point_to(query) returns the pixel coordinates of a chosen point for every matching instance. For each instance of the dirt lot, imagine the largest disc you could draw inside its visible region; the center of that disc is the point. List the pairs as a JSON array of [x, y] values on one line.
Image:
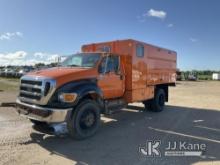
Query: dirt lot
[[192, 116]]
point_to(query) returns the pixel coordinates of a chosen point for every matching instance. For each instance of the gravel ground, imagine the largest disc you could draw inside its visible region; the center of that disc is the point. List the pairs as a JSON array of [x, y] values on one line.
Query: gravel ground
[[192, 116]]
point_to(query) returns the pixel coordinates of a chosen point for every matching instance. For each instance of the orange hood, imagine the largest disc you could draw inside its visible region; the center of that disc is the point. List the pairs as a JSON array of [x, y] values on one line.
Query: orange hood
[[66, 74]]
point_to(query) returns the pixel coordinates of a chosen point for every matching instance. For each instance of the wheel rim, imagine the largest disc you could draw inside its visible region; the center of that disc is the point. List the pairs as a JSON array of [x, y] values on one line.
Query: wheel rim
[[161, 100], [87, 120]]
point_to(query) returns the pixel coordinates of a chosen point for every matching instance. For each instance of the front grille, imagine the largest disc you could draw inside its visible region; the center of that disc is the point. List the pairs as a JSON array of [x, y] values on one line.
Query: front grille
[[31, 89], [36, 90], [31, 82]]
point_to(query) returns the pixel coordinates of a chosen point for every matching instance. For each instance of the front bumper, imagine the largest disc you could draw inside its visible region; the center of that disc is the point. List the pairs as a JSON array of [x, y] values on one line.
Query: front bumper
[[39, 113]]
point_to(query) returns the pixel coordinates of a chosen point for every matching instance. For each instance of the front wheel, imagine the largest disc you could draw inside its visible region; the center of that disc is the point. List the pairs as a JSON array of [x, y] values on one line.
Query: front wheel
[[85, 120]]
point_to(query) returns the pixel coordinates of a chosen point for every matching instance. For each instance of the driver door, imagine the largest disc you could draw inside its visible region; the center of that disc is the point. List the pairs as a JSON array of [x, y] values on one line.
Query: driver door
[[110, 79]]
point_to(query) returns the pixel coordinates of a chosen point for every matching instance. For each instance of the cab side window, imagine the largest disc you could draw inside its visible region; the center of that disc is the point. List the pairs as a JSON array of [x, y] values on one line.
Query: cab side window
[[112, 64]]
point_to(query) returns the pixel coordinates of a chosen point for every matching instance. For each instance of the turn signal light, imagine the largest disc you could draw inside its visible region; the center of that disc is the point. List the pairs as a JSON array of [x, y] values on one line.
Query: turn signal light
[[68, 97]]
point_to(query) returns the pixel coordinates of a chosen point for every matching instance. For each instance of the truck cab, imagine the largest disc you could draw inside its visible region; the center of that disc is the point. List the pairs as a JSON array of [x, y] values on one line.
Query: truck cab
[[104, 77]]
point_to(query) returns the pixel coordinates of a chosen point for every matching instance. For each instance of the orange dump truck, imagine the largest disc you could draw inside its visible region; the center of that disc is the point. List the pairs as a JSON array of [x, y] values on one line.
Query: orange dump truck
[[104, 77]]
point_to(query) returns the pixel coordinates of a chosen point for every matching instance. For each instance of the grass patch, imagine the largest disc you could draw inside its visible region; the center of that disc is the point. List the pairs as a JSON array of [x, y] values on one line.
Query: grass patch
[[9, 84], [10, 79], [205, 77]]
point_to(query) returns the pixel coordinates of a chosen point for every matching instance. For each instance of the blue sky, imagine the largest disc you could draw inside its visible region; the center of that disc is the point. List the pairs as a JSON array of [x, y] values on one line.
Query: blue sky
[[39, 30]]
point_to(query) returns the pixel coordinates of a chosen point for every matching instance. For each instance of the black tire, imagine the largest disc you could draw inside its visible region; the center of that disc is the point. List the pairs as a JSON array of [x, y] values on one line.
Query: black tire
[[85, 120], [147, 105], [157, 103]]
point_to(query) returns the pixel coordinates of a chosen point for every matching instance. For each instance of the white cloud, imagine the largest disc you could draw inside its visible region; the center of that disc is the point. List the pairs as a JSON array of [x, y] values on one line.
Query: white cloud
[[9, 36], [24, 58], [156, 13], [170, 25], [53, 58], [193, 40], [33, 62], [13, 56], [19, 34], [46, 56], [152, 13], [39, 55]]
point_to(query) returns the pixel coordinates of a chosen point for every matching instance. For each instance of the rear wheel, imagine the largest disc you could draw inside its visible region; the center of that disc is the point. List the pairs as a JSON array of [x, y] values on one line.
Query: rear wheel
[[157, 103], [147, 105], [85, 120]]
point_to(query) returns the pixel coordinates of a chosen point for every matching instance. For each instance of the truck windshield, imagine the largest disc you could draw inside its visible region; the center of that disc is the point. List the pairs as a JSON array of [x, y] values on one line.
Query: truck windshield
[[81, 60]]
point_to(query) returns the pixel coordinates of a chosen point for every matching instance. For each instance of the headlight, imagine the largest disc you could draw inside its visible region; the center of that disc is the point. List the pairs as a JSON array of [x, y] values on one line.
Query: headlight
[[67, 97]]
